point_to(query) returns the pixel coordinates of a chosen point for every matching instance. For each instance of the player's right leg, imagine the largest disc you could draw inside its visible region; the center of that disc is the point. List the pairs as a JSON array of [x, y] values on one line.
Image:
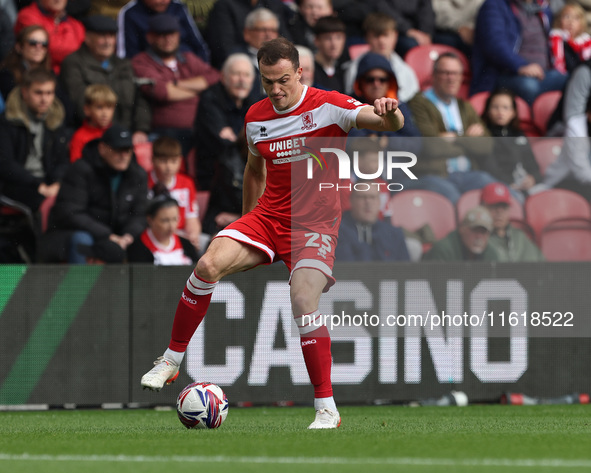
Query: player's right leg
[[224, 256]]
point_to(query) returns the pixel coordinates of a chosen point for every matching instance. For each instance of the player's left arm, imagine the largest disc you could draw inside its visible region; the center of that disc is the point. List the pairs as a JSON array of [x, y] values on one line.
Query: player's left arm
[[255, 175], [383, 116]]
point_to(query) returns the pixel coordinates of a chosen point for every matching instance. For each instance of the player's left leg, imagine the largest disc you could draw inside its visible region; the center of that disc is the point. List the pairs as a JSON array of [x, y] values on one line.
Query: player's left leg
[[307, 284]]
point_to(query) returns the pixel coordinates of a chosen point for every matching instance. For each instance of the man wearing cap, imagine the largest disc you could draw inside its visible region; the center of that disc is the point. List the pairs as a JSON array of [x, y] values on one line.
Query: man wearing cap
[[470, 242], [101, 206], [510, 243], [176, 80], [133, 20], [95, 62]]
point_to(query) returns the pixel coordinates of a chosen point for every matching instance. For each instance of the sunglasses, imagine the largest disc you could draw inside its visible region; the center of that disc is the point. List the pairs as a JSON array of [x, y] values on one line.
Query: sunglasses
[[34, 42], [372, 79]]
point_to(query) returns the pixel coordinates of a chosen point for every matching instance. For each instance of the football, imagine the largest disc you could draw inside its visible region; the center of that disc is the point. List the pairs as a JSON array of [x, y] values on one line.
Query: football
[[202, 406]]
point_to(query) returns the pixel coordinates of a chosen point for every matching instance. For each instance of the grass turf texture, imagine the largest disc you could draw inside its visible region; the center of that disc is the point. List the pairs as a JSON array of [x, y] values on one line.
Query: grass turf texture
[[472, 439]]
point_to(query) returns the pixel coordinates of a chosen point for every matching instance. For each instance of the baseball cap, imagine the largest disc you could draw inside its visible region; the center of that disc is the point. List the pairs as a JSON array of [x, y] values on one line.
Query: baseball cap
[[117, 137], [478, 217], [163, 23], [495, 193], [100, 24]]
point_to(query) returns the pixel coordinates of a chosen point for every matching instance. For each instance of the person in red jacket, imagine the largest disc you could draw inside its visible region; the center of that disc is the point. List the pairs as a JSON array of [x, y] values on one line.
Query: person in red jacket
[[65, 33]]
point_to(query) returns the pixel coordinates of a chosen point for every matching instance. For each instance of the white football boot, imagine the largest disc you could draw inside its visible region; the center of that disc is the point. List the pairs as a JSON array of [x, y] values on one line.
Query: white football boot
[[164, 372], [326, 419]]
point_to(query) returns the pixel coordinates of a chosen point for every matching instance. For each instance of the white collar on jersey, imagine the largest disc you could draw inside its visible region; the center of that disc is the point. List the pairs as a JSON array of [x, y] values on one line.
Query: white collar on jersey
[[289, 110]]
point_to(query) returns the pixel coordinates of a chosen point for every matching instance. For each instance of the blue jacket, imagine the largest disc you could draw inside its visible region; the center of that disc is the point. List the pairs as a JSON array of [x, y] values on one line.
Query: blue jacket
[[388, 242], [133, 24], [497, 39]]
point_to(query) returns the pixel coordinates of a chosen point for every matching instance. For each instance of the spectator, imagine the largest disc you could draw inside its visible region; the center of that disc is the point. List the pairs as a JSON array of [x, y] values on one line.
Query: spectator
[[454, 23], [65, 33], [135, 18], [353, 13], [167, 157], [415, 20], [512, 160], [34, 153], [260, 25], [470, 242], [510, 243], [99, 108], [572, 169], [449, 164], [226, 23], [363, 236], [220, 142], [511, 49], [381, 35], [29, 52], [307, 65], [330, 45], [177, 78], [302, 24], [375, 79], [101, 207], [6, 35], [570, 44], [95, 63], [159, 244]]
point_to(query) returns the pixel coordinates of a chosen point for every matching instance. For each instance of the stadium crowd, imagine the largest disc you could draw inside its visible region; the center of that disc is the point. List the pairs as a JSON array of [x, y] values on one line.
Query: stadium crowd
[[111, 109]]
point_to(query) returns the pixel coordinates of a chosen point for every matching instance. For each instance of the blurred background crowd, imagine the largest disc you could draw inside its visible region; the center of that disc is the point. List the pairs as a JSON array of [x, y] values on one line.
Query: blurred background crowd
[[121, 126]]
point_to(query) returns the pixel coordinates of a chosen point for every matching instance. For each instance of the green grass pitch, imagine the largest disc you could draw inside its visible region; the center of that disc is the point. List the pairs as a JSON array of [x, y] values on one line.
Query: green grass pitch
[[371, 439]]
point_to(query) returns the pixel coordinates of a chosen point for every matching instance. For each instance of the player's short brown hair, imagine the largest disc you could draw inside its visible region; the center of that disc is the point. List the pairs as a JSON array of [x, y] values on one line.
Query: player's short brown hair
[[102, 94], [271, 52], [166, 147], [378, 24]]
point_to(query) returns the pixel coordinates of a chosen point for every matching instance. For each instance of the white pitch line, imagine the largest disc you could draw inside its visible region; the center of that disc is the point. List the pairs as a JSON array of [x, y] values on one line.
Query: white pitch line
[[471, 462]]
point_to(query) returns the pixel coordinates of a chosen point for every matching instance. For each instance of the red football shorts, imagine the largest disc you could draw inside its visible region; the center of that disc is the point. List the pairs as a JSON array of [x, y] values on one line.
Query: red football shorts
[[296, 248]]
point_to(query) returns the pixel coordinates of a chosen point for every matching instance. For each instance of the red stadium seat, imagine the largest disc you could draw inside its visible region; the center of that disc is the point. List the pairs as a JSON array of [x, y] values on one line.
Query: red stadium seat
[[44, 210], [478, 101], [566, 244], [413, 209], [143, 154], [471, 199], [546, 151], [543, 107], [421, 59], [556, 208], [356, 50]]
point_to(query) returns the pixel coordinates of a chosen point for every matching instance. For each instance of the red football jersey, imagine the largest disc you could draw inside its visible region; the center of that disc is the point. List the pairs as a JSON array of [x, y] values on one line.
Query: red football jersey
[[170, 255], [290, 142], [182, 189]]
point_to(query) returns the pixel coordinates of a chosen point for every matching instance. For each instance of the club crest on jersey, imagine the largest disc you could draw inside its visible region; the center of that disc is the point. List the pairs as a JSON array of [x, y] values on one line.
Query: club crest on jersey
[[308, 121]]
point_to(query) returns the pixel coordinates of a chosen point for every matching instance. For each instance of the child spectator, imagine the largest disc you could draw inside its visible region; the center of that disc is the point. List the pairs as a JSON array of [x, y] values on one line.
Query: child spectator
[[512, 161], [167, 159], [330, 43], [159, 244], [570, 44], [302, 25], [99, 107]]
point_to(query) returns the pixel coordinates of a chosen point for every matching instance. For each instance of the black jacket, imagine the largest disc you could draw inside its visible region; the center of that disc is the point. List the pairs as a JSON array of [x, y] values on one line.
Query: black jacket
[[86, 201], [16, 141]]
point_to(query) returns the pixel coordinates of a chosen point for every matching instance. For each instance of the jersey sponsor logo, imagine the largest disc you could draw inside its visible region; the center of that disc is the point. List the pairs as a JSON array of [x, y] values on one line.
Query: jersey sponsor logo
[[357, 103], [308, 121]]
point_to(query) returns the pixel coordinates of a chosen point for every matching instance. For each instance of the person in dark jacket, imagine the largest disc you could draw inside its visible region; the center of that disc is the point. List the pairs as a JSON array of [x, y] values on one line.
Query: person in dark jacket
[[101, 207], [159, 244], [511, 49], [34, 153], [512, 160], [96, 63], [133, 20], [363, 236], [220, 143]]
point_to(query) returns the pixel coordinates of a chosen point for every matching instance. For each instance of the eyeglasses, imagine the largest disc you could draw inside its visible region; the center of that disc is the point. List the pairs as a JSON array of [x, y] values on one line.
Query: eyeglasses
[[34, 42], [449, 73], [372, 79]]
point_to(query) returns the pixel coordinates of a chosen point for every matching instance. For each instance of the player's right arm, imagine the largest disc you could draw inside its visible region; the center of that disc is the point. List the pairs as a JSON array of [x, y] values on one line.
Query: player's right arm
[[255, 174]]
